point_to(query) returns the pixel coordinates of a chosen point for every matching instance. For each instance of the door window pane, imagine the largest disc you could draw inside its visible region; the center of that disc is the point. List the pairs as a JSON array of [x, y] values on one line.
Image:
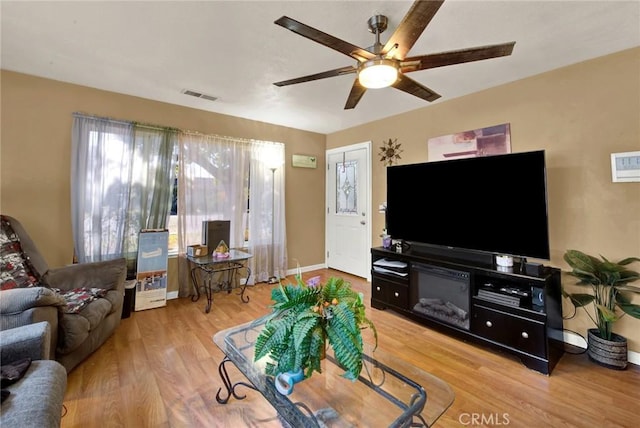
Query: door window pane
[[346, 184]]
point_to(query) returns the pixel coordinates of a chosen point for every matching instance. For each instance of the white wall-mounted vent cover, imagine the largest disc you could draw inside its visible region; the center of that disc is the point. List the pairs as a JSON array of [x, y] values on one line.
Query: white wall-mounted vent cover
[[199, 95]]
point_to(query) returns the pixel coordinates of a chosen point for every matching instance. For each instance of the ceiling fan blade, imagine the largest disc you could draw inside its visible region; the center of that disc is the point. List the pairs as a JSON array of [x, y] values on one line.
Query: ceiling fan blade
[[324, 39], [357, 91], [331, 73], [411, 27], [441, 59], [412, 87]]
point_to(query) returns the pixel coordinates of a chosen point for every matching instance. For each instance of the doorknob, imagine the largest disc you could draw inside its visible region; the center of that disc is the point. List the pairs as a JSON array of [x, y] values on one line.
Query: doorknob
[[363, 222]]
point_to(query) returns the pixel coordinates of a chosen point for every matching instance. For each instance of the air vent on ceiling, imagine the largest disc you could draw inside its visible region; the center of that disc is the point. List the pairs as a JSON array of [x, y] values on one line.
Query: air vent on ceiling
[[199, 95]]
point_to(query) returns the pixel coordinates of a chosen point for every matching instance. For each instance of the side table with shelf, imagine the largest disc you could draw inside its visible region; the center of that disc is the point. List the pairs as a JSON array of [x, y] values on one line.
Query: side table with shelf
[[219, 274]]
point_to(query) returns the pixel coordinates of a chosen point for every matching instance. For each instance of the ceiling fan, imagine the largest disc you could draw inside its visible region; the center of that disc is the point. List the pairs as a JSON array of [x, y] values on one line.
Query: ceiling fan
[[386, 65]]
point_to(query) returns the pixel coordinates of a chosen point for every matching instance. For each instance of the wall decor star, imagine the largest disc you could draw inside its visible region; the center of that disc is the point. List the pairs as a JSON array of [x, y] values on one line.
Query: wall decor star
[[390, 151]]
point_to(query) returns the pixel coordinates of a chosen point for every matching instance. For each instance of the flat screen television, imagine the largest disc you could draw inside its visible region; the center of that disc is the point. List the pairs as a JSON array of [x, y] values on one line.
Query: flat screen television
[[492, 204]]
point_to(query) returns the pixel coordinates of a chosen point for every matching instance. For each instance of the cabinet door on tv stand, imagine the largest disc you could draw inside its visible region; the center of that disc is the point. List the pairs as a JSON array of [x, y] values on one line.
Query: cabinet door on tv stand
[[523, 334], [388, 292]]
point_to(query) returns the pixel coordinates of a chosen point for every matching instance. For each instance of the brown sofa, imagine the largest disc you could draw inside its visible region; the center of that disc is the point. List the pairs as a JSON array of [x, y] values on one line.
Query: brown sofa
[[74, 336]]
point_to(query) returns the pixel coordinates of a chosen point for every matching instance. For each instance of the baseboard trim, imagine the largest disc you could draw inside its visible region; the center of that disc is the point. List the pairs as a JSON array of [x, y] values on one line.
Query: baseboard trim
[[306, 269]]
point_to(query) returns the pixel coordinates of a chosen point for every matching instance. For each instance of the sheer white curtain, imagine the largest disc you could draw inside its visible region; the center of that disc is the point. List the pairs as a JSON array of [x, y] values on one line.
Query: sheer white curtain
[[120, 184], [216, 177], [267, 211], [101, 163], [122, 176], [152, 177], [212, 182]]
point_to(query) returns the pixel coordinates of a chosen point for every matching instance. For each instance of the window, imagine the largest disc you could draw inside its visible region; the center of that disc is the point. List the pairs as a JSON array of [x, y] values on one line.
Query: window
[[119, 185], [127, 177], [172, 223]]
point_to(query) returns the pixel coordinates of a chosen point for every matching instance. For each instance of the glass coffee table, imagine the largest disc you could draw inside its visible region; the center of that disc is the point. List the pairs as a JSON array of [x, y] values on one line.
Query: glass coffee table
[[388, 393]]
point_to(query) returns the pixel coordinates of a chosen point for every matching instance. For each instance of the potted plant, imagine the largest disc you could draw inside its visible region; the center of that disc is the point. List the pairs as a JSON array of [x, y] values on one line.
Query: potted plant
[[307, 315], [609, 291]]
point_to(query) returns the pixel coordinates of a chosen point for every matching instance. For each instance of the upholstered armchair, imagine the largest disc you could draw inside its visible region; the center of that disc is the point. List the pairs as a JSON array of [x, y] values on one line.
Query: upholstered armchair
[[31, 397], [82, 302]]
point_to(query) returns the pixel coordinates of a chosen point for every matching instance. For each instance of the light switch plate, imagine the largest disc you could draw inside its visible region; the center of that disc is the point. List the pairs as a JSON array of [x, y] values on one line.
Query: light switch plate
[[625, 167]]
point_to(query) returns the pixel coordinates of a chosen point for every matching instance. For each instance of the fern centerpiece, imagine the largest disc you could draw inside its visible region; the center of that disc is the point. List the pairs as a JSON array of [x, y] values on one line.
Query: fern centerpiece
[[307, 315]]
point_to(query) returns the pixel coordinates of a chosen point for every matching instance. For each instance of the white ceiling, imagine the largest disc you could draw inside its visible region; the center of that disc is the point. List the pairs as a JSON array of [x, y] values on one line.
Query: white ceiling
[[232, 50]]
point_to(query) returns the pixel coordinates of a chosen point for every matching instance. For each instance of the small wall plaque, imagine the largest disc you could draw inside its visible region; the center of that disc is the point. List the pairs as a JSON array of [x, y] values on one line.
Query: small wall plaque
[[625, 167], [303, 161]]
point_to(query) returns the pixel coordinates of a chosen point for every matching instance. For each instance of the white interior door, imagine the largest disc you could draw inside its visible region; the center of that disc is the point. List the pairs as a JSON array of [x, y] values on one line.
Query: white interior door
[[348, 225]]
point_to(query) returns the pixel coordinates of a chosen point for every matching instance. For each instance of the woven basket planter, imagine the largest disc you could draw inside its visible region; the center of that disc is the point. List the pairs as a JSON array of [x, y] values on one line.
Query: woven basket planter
[[608, 353]]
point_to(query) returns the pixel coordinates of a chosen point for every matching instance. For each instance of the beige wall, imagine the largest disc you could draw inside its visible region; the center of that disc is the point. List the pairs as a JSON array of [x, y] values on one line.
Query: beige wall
[[36, 147], [579, 115]]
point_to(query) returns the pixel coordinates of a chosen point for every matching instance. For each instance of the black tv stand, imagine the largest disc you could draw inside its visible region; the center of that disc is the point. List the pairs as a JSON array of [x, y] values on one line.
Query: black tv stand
[[503, 308]]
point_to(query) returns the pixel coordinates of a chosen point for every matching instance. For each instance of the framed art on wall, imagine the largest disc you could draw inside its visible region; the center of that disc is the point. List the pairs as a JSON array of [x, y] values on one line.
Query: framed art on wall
[[492, 140]]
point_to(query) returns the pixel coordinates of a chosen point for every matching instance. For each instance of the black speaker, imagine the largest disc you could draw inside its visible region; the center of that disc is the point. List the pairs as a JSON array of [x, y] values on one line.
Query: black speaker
[[537, 296], [214, 231], [532, 269]]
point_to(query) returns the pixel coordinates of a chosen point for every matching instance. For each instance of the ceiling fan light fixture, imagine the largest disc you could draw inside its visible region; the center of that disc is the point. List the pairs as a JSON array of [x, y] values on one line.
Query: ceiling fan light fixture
[[378, 73]]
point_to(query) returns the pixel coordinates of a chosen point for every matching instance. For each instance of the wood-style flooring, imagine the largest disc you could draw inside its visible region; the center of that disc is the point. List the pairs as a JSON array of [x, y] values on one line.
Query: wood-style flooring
[[160, 369]]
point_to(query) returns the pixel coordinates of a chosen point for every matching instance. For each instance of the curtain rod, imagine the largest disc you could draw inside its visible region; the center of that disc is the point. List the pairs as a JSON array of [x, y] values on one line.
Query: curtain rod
[[239, 139], [127, 122], [164, 128]]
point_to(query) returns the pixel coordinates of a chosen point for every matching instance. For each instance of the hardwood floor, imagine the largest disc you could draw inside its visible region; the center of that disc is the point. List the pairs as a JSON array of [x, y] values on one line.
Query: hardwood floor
[[160, 369]]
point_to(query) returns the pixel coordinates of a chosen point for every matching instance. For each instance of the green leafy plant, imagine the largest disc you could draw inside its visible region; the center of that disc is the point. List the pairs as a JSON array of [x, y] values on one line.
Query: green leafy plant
[[304, 317], [608, 282]]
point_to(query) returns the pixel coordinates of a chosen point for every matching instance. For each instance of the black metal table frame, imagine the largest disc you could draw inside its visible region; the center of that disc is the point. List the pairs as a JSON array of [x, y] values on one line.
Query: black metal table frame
[[225, 268]]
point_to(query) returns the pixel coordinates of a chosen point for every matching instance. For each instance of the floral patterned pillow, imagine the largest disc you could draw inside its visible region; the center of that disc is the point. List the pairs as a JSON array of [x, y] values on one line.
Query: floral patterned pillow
[[78, 298], [15, 268]]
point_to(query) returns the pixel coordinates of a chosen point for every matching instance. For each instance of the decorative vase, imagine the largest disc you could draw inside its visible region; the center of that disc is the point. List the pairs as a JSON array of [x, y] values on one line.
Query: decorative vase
[[287, 380], [608, 353]]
